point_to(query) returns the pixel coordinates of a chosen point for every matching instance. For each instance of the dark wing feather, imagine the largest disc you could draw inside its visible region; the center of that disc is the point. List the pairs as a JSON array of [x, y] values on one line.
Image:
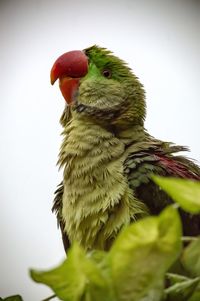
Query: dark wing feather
[[57, 208], [159, 160], [57, 203]]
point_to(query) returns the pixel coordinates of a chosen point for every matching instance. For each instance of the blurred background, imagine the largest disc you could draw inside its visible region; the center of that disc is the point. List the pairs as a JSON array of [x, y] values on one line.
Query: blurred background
[[161, 42]]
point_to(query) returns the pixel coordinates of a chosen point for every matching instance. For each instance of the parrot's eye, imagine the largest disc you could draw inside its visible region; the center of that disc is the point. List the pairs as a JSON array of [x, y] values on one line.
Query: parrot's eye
[[106, 73]]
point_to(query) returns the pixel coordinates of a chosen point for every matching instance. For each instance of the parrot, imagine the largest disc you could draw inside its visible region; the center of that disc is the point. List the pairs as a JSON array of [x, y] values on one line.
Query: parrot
[[107, 155]]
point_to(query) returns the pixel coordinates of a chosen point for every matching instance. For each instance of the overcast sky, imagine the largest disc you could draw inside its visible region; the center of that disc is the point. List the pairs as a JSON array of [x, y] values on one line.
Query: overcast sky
[[161, 42]]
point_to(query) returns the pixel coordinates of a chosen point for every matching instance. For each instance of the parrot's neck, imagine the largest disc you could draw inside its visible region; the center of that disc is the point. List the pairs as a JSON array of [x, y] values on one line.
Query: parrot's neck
[[97, 200], [133, 135]]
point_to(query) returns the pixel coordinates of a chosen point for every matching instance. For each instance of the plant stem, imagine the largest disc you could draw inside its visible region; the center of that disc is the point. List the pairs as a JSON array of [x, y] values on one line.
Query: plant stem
[[188, 238], [49, 298]]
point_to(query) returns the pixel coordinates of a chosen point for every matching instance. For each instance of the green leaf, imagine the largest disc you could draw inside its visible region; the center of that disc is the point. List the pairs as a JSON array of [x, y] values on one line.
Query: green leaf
[[181, 287], [77, 278], [191, 258], [142, 254], [13, 298], [195, 296], [185, 192]]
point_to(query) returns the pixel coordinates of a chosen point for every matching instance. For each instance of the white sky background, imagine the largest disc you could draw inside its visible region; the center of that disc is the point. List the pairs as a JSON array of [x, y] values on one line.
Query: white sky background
[[161, 42]]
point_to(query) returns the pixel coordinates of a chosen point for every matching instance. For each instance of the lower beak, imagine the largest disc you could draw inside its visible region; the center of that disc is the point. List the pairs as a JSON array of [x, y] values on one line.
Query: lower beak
[[69, 87]]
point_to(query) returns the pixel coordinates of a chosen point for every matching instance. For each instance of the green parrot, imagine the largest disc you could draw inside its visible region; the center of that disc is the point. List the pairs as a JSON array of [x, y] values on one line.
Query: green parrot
[[107, 156]]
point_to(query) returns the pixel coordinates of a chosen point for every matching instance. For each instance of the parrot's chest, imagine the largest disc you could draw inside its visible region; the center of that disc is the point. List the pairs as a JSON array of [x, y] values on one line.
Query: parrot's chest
[[95, 188]]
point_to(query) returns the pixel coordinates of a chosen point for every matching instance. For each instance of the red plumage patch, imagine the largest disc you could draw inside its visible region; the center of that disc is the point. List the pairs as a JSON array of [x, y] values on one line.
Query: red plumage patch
[[176, 168]]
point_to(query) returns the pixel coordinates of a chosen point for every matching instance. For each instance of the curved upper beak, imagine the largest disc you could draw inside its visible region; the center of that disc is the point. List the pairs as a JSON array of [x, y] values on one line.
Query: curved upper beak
[[72, 64]]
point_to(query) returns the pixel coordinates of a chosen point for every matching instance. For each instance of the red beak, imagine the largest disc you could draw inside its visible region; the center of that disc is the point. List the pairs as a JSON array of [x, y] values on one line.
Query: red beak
[[69, 68]]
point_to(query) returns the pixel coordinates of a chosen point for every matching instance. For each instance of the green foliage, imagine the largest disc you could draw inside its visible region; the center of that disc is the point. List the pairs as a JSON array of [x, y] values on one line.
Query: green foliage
[[127, 271], [77, 278], [147, 261], [195, 296], [191, 258], [180, 287], [185, 192], [149, 245]]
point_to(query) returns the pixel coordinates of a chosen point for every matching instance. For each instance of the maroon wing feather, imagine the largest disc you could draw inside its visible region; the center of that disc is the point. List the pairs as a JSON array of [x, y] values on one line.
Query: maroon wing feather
[[175, 167]]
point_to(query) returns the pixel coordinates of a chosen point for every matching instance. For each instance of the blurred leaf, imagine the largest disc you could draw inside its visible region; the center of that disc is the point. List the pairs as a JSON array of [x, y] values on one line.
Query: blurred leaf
[[13, 298], [178, 268], [181, 288], [185, 192], [175, 278], [142, 254], [77, 278], [191, 258], [98, 256], [195, 296]]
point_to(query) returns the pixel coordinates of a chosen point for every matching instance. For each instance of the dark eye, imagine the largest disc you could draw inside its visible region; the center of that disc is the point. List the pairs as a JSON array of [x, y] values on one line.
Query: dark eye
[[107, 73]]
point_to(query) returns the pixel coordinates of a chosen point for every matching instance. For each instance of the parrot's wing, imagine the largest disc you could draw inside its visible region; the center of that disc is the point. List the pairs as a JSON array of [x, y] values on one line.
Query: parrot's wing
[[158, 159], [179, 166], [57, 208], [139, 167]]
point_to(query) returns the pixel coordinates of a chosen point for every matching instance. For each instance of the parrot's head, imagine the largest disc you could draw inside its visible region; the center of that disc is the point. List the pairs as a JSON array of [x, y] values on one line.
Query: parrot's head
[[96, 83]]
